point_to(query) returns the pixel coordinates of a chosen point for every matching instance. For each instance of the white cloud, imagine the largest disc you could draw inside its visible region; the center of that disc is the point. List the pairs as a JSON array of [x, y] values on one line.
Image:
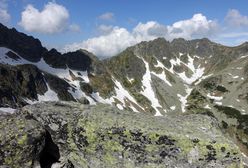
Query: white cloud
[[196, 27], [107, 16], [52, 19], [74, 28], [149, 31], [235, 19], [106, 45], [104, 29], [4, 15], [115, 39]]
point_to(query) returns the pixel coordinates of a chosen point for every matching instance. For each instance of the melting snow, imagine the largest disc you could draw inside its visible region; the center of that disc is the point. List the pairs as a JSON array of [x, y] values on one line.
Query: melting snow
[[214, 97], [183, 99], [62, 73], [218, 103], [243, 56], [119, 106], [148, 91], [202, 78], [234, 77], [7, 60], [197, 45], [122, 95], [130, 79], [50, 95], [162, 76], [7, 110], [173, 107], [197, 72], [207, 106]]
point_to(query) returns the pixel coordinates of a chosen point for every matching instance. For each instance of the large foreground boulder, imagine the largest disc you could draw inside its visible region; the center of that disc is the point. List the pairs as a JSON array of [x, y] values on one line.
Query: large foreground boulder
[[69, 134], [22, 140]]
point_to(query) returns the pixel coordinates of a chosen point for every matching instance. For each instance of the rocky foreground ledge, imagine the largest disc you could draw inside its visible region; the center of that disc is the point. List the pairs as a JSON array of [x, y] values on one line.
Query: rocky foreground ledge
[[66, 134]]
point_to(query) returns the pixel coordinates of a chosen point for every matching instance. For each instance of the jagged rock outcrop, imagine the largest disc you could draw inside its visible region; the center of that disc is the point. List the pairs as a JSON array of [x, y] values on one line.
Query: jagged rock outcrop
[[26, 46], [78, 135]]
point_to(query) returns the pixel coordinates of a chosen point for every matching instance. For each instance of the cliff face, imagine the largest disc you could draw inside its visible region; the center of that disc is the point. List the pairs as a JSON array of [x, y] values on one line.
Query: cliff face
[[70, 134]]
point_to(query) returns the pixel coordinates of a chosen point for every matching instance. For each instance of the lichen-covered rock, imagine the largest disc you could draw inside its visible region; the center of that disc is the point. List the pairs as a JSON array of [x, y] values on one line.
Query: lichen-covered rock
[[21, 141], [103, 136]]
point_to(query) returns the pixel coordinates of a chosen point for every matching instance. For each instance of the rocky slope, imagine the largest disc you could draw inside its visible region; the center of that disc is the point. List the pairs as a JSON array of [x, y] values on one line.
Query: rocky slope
[[66, 134], [154, 77]]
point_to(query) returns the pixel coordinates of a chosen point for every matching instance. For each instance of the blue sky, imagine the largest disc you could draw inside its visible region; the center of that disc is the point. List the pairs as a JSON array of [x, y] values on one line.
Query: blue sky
[[107, 27]]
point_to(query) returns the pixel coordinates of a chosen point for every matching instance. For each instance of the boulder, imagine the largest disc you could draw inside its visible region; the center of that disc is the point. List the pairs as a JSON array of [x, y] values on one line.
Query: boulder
[[22, 140]]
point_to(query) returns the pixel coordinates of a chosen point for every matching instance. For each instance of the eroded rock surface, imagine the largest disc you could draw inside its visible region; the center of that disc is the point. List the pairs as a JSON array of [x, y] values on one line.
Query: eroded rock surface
[[78, 135]]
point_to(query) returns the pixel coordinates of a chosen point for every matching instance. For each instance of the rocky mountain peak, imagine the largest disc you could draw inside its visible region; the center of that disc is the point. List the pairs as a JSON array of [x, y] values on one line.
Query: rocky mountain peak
[[26, 46]]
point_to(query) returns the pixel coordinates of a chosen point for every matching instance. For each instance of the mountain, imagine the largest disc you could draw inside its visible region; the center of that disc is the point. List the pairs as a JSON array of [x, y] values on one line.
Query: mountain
[[161, 78]]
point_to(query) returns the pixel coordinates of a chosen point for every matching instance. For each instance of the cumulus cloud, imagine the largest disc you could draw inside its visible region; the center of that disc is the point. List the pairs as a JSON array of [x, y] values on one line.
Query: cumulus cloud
[[196, 27], [107, 16], [4, 15], [105, 45], [52, 19], [235, 19], [115, 39]]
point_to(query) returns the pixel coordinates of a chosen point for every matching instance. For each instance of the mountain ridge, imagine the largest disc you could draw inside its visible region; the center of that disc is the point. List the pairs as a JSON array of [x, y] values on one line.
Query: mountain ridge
[[158, 77]]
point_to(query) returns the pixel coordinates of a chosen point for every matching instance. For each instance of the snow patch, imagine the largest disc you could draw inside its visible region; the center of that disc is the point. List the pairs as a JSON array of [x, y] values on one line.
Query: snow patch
[[131, 80], [183, 99], [207, 106], [4, 59], [202, 78], [50, 95], [122, 95], [244, 56], [218, 103], [119, 106], [214, 97], [196, 72], [162, 76], [148, 90], [7, 110]]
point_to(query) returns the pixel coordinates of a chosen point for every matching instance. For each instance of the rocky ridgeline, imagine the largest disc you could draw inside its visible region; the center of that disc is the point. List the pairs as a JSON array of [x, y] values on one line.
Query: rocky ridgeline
[[67, 134], [200, 88]]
